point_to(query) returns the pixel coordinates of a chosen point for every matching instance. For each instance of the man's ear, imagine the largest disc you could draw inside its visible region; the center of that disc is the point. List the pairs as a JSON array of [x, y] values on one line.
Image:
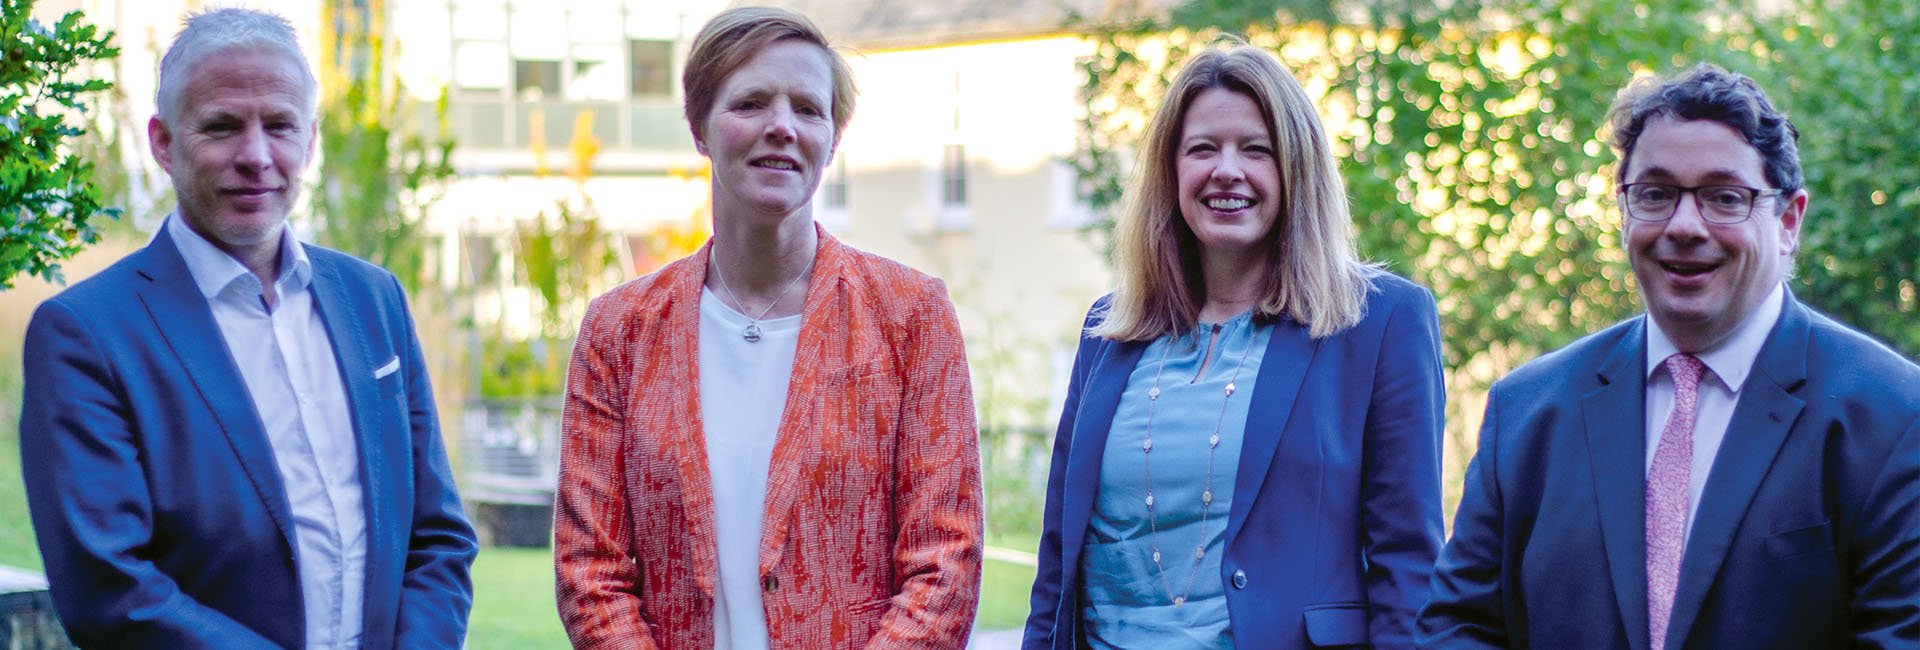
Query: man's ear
[[159, 143], [1790, 220]]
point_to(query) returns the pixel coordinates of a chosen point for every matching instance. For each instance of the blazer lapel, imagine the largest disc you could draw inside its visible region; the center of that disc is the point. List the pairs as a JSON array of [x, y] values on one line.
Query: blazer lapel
[[684, 434], [1098, 402], [1761, 420], [1283, 368], [184, 320], [347, 328], [824, 316], [1616, 447]]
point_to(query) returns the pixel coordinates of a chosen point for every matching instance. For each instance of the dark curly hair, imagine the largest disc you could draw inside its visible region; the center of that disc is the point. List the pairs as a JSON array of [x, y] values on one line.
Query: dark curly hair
[[1710, 92]]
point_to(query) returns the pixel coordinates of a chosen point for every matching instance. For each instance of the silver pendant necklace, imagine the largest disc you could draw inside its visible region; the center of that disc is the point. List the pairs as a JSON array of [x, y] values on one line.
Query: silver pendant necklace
[[752, 331], [1206, 496]]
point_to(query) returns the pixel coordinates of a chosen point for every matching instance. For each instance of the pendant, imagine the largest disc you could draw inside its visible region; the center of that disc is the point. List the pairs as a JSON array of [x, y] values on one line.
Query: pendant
[[751, 333]]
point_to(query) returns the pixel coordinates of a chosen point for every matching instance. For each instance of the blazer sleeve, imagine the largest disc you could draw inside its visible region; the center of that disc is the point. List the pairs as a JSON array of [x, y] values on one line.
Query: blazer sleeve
[[939, 515], [1465, 606], [1044, 602], [596, 576], [1402, 525], [1886, 579], [436, 591], [92, 514]]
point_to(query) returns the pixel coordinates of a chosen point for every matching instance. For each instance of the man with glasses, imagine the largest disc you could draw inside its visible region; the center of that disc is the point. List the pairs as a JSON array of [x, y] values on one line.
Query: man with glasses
[[1731, 470]]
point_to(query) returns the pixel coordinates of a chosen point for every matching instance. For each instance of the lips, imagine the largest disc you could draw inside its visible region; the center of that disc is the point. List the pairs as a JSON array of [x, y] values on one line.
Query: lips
[[1227, 203], [1688, 272], [776, 163]]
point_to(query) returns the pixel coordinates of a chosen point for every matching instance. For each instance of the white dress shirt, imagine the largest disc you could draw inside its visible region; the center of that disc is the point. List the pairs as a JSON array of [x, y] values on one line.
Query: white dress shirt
[[1727, 368], [287, 361], [743, 390]]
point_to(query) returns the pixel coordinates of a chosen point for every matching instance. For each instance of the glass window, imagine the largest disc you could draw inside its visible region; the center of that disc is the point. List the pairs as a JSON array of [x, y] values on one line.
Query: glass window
[[480, 66], [536, 80], [651, 67], [833, 192]]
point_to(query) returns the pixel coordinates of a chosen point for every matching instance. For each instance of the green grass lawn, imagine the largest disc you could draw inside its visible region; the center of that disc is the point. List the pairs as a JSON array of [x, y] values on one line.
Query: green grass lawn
[[513, 606], [17, 548]]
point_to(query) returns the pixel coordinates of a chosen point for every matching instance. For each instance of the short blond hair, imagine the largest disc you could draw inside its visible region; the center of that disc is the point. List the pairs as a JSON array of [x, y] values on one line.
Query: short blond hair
[[733, 37], [1313, 274], [207, 33]]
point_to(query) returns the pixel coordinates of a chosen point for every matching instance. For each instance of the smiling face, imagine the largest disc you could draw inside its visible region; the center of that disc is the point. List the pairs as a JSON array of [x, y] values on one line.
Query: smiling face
[[236, 150], [1229, 181], [1700, 280], [770, 132]]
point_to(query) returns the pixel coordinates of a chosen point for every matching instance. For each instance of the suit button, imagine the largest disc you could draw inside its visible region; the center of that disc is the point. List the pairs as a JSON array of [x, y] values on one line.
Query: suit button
[[1239, 579], [770, 583]]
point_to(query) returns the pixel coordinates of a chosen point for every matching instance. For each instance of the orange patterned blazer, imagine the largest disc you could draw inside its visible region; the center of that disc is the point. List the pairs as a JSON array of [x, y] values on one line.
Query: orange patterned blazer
[[872, 530]]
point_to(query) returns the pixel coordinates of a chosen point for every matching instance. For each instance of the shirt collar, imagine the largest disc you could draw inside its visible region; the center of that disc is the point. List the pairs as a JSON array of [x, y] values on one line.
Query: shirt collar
[[1733, 358], [213, 270]]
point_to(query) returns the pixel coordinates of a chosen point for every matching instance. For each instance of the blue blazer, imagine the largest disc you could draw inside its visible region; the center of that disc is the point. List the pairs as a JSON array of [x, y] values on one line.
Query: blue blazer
[[1807, 534], [155, 498], [1336, 513]]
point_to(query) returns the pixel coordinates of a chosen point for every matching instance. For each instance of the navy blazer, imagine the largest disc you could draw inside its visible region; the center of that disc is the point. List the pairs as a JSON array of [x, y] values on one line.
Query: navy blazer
[[1807, 533], [1336, 513], [155, 498]]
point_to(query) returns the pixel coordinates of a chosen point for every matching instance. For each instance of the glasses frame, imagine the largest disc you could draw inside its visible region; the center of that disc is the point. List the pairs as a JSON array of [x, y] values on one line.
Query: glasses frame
[[1699, 206]]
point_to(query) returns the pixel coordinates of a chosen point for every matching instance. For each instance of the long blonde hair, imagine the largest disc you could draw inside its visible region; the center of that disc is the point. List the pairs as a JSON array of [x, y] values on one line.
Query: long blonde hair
[[1313, 275]]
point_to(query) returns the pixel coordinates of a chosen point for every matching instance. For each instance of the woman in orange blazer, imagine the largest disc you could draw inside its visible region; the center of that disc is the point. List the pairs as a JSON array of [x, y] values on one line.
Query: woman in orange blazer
[[769, 443]]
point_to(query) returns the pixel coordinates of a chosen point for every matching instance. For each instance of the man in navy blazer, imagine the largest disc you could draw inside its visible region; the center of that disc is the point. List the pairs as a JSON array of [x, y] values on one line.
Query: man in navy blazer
[[229, 440], [1731, 470]]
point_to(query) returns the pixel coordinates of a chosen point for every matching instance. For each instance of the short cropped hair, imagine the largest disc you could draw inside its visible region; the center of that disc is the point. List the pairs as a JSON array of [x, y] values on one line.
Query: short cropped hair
[[1313, 275], [1710, 92], [211, 32], [734, 37]]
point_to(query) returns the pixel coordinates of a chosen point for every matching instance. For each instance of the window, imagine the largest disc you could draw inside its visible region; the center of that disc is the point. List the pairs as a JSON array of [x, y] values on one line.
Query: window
[[651, 67], [953, 176], [536, 80]]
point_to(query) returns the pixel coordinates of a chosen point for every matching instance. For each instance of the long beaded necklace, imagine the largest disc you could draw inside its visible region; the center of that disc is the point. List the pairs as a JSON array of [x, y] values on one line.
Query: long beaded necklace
[[1206, 496], [752, 331]]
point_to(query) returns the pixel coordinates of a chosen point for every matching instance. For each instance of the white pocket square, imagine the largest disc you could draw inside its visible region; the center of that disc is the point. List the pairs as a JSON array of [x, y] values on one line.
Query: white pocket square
[[391, 366]]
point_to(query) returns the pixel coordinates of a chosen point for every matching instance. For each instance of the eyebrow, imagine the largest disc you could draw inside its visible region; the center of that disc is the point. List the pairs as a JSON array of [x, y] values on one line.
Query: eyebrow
[[1713, 176]]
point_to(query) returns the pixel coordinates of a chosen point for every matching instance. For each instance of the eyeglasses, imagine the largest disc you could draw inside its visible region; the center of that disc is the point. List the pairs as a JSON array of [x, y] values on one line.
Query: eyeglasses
[[1723, 204]]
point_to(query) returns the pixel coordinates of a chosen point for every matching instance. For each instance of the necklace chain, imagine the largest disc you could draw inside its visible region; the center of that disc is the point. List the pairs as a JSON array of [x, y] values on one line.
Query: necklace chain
[[752, 331], [1206, 496]]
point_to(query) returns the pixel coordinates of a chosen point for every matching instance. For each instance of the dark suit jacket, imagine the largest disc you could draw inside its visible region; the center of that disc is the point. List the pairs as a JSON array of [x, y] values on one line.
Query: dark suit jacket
[[154, 493], [1805, 535], [1336, 513]]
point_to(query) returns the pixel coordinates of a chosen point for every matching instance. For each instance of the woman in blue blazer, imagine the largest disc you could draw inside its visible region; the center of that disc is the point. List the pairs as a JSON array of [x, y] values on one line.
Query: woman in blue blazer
[[1250, 449]]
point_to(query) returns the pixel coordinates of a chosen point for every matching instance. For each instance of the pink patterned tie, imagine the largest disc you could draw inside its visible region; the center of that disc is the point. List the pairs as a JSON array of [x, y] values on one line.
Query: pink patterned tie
[[1667, 485]]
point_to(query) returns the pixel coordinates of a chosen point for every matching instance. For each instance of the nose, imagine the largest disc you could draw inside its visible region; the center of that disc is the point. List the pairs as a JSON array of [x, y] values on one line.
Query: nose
[[780, 127], [1228, 168], [254, 154], [1687, 223]]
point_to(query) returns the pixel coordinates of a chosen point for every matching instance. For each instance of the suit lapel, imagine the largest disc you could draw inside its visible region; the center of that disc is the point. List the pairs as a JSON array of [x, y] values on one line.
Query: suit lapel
[[1088, 447], [1283, 367], [184, 320], [1616, 447], [683, 433], [346, 328], [1761, 420], [824, 315]]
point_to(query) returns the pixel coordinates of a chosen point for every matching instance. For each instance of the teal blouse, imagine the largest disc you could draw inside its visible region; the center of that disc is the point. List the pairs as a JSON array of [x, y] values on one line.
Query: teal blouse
[[1128, 601]]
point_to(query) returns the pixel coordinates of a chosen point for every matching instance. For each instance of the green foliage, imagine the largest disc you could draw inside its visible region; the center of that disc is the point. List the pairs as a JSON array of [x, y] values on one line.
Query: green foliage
[[378, 174], [1844, 72], [566, 259], [47, 200], [1471, 142], [517, 369]]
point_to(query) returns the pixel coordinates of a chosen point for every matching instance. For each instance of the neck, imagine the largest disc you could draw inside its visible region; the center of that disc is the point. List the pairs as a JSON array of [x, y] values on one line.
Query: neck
[[1233, 283], [759, 268], [262, 258]]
